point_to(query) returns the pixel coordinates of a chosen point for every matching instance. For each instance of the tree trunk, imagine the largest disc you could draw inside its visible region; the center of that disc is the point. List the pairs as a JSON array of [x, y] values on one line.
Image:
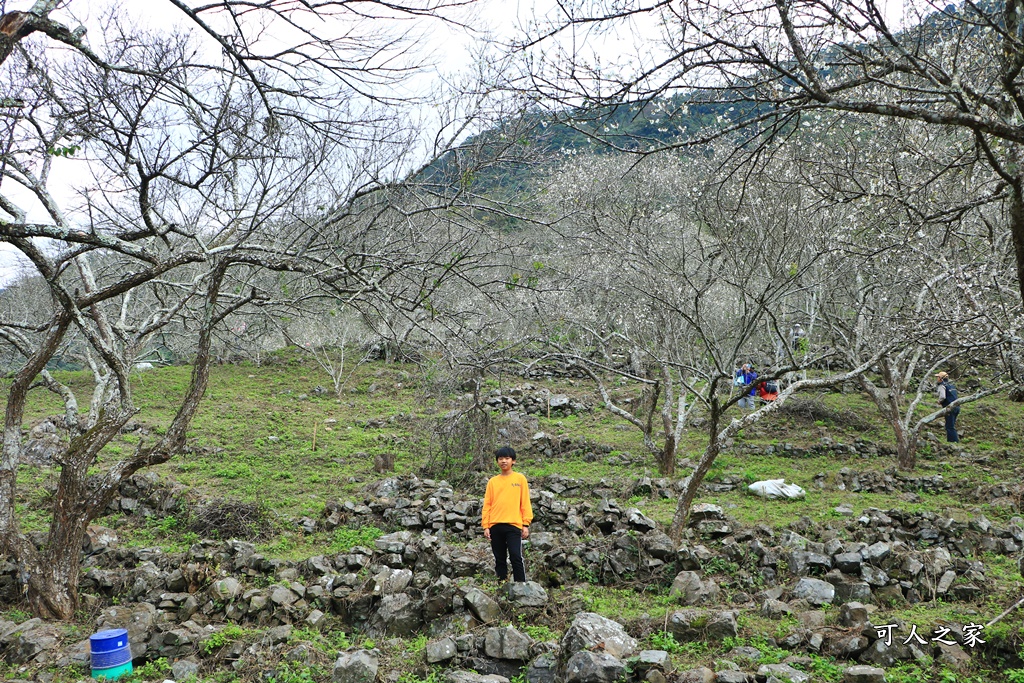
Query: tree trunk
[[53, 578], [54, 572], [906, 446], [682, 514], [906, 438], [13, 544], [1017, 230], [888, 404], [52, 575], [667, 464]]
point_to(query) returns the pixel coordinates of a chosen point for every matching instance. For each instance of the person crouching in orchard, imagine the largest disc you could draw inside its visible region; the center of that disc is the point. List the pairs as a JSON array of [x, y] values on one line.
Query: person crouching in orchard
[[507, 516]]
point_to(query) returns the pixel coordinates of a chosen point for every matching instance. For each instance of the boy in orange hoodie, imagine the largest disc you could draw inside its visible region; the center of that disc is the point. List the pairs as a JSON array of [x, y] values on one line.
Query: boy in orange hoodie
[[507, 515]]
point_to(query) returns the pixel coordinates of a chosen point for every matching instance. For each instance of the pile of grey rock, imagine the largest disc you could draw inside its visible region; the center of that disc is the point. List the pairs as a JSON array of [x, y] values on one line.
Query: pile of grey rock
[[424, 579], [527, 399]]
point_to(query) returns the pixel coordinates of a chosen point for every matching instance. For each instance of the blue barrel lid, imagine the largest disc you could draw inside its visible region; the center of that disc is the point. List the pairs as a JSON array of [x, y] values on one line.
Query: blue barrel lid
[[106, 641]]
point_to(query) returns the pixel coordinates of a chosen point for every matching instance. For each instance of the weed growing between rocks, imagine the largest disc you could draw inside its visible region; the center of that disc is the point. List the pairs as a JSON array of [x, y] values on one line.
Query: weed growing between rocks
[[156, 669], [432, 676], [346, 538], [664, 640]]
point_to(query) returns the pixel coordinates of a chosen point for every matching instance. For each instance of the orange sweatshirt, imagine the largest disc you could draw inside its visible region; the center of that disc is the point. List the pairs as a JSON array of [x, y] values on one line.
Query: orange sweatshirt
[[507, 501]]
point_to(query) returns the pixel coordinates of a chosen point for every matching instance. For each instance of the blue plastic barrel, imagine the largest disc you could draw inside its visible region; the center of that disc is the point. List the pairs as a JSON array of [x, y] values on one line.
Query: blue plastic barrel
[[110, 650], [114, 672]]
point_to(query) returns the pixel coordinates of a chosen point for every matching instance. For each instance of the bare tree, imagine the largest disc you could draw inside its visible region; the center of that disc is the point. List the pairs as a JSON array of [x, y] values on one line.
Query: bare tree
[[766, 69], [933, 279], [673, 279], [332, 344], [919, 327], [919, 299], [693, 273], [219, 175]]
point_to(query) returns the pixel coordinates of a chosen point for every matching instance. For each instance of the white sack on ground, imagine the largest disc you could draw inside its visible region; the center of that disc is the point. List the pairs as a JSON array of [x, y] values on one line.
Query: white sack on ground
[[776, 488]]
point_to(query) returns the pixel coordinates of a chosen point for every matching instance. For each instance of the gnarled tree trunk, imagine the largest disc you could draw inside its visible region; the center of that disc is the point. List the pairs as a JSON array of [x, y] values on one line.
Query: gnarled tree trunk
[[906, 445], [53, 576], [714, 447], [667, 463]]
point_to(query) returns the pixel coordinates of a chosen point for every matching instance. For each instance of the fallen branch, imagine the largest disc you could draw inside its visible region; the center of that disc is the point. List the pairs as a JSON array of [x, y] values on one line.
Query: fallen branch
[[1007, 611]]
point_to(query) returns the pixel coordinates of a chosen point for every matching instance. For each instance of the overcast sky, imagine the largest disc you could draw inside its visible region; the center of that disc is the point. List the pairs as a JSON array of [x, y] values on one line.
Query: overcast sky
[[449, 47]]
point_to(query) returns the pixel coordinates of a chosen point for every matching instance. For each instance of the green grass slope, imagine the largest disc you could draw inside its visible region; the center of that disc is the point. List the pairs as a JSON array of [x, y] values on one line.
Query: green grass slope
[[253, 442]]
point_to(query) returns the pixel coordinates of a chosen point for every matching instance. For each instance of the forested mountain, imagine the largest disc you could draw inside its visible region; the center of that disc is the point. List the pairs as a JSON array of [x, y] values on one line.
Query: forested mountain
[[540, 138]]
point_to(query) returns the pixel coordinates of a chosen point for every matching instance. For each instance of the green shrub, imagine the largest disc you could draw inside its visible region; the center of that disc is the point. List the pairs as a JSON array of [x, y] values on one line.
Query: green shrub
[[540, 633], [587, 575], [346, 538], [770, 654], [330, 641], [825, 669], [433, 677], [907, 672], [663, 640], [720, 565], [18, 616], [157, 669], [219, 639], [292, 672]]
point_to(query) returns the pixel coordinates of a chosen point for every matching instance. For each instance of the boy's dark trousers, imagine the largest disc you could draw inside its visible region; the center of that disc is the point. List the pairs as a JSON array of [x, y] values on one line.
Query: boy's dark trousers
[[508, 539]]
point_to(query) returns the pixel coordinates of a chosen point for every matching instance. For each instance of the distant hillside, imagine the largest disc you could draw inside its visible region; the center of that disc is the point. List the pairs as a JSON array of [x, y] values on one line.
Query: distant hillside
[[504, 158], [502, 161]]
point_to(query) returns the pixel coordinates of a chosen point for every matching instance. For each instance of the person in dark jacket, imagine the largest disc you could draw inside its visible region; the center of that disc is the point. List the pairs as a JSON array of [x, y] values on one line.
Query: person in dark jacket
[[946, 393]]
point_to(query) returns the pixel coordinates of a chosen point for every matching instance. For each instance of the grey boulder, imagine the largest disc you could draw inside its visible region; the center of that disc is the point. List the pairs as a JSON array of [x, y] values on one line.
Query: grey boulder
[[482, 605], [441, 650], [815, 591], [507, 643], [528, 594], [782, 672], [356, 667], [590, 631], [473, 677], [863, 674], [594, 667]]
